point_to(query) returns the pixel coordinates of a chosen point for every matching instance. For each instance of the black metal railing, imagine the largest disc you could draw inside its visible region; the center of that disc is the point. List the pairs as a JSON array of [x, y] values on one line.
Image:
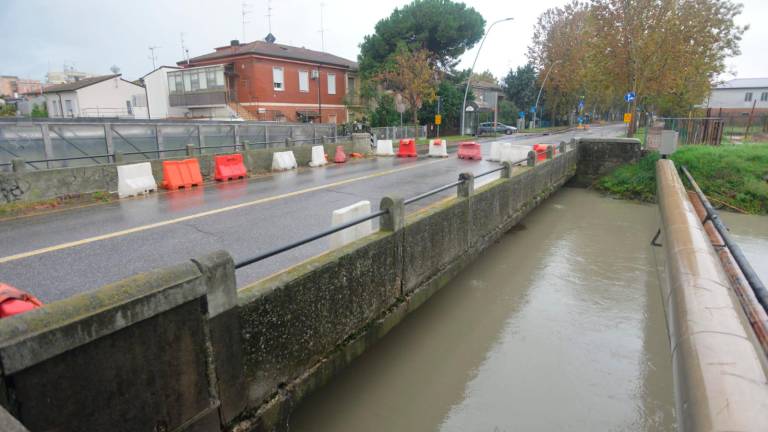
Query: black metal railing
[[462, 179]]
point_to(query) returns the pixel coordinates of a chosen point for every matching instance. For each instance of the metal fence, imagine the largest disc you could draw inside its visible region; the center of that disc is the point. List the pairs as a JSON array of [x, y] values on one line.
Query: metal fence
[[399, 132], [706, 130], [58, 144]]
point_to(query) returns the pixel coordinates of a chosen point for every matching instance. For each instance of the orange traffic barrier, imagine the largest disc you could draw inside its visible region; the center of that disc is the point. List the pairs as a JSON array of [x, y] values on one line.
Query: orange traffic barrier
[[229, 167], [541, 151], [470, 150], [407, 148], [356, 155], [14, 301], [181, 174], [340, 156]]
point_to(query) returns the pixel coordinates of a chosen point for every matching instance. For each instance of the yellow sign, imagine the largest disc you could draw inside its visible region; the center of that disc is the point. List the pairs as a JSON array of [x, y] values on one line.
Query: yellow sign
[[627, 117], [438, 119]]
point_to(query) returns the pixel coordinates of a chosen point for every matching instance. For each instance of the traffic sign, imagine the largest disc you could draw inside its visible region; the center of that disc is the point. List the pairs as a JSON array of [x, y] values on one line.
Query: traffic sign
[[438, 119], [627, 117], [629, 97], [521, 114], [533, 109]]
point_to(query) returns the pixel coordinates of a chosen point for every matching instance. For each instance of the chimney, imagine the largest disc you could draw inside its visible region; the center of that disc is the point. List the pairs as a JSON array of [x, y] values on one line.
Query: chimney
[[234, 42]]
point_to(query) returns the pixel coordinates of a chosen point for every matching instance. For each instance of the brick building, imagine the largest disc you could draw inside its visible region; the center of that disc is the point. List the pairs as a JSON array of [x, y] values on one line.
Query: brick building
[[268, 81], [13, 86]]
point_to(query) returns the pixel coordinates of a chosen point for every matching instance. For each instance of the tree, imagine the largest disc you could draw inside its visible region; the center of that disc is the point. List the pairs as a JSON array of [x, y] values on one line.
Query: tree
[[38, 111], [520, 86], [508, 112], [410, 74], [451, 93], [441, 27], [385, 113]]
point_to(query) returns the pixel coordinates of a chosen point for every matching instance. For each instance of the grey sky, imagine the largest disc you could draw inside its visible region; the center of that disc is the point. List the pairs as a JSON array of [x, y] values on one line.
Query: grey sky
[[93, 35]]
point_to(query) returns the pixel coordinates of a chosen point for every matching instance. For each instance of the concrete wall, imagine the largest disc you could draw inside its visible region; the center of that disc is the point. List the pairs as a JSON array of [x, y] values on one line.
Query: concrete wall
[[35, 185], [599, 156]]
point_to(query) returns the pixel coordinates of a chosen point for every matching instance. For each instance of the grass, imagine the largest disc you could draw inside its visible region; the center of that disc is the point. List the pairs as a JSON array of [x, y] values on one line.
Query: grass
[[26, 208], [732, 176]]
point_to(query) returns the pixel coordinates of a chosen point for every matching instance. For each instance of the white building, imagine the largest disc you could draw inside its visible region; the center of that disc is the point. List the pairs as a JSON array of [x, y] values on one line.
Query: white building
[[158, 101], [193, 92], [737, 96], [101, 96]]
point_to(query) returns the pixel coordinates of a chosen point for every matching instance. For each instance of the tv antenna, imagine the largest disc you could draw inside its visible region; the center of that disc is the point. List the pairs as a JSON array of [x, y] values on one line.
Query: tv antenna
[[184, 49], [153, 56], [322, 27], [246, 9], [269, 15]]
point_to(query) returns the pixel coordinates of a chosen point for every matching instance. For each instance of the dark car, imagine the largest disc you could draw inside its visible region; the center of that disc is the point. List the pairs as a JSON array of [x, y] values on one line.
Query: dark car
[[487, 128]]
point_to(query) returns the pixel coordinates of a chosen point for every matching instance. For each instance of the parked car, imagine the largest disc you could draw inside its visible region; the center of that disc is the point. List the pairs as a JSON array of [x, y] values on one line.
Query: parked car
[[487, 128]]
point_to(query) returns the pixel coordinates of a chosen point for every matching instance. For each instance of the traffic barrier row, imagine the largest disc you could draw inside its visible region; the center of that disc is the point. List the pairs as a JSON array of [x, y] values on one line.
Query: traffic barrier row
[[352, 233], [470, 150], [181, 174], [135, 179], [541, 151], [438, 148], [496, 149], [340, 156], [512, 153], [229, 167], [407, 148], [384, 148], [282, 161], [318, 156]]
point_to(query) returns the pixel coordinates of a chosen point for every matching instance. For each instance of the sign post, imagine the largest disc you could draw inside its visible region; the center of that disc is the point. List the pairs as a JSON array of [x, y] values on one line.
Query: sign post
[[438, 116], [629, 98]]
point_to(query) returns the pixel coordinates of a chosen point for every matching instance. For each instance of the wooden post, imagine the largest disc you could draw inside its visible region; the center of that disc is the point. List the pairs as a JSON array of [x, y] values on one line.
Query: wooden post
[[749, 120]]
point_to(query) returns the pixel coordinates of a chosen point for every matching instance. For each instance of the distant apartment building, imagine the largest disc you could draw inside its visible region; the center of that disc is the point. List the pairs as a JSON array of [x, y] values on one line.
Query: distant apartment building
[[256, 81], [13, 86], [68, 74], [737, 97], [100, 96]]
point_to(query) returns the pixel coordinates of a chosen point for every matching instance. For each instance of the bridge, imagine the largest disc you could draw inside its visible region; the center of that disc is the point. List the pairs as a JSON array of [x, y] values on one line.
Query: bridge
[[204, 339]]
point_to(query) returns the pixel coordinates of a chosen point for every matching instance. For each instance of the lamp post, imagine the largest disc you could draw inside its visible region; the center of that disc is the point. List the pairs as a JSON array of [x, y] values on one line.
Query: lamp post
[[472, 70], [536, 107]]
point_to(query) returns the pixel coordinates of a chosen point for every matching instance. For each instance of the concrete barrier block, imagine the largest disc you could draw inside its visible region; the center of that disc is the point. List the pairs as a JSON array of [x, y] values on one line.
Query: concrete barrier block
[[513, 153], [135, 179], [495, 154], [438, 148], [318, 156], [282, 161], [353, 233], [384, 148]]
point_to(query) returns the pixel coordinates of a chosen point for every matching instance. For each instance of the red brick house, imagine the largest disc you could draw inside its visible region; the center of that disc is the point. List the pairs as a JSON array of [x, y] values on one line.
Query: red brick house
[[270, 81]]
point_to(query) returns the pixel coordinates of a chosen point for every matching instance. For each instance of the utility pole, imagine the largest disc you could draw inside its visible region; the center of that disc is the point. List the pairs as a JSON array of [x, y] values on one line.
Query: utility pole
[[153, 56], [245, 10], [322, 28]]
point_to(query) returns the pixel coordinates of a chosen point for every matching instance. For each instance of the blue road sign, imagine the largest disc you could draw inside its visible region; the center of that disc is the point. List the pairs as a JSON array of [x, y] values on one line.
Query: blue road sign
[[581, 104], [581, 120], [533, 109], [521, 114], [629, 97]]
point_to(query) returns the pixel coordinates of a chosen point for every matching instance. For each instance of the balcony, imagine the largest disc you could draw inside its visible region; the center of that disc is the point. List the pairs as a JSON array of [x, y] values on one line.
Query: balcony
[[198, 99]]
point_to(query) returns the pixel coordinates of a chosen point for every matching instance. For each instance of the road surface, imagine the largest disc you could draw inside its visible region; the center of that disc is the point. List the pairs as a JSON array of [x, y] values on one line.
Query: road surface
[[59, 254]]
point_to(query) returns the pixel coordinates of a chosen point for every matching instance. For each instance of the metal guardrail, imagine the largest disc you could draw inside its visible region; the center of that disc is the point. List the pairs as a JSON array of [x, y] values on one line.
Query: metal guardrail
[[376, 214]]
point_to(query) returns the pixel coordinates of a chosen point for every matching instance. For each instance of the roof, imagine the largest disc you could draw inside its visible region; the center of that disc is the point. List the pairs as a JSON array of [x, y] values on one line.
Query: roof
[[486, 85], [158, 68], [76, 85], [744, 83], [276, 50]]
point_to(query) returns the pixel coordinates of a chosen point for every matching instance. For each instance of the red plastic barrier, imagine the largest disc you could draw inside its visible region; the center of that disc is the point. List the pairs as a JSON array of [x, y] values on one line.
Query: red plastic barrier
[[541, 151], [340, 157], [407, 148], [470, 150], [13, 301], [229, 167], [181, 174]]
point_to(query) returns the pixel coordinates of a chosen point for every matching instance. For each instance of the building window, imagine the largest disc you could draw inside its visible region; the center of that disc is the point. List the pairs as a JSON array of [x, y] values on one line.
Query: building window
[[748, 97], [303, 81], [68, 104], [128, 107], [764, 97], [277, 79], [331, 83], [194, 80]]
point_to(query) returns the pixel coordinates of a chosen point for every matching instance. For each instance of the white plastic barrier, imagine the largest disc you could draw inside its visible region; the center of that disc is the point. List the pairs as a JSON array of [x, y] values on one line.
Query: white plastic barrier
[[513, 153], [384, 148], [438, 148], [318, 156], [353, 233], [135, 179], [496, 147], [283, 161]]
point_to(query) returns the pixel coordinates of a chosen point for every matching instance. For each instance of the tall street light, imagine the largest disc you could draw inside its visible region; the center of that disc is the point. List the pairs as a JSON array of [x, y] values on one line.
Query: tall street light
[[471, 71], [536, 107]]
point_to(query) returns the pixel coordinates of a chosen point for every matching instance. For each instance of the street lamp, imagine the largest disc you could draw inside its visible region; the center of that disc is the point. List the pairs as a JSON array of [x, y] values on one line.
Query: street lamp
[[536, 107], [471, 71]]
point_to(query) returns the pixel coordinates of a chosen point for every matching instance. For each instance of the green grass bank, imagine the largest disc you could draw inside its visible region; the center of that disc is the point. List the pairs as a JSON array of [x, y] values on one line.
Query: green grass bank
[[731, 176]]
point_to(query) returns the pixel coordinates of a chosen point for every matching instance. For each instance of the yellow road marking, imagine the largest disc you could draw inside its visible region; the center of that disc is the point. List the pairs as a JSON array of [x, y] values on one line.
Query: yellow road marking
[[141, 228]]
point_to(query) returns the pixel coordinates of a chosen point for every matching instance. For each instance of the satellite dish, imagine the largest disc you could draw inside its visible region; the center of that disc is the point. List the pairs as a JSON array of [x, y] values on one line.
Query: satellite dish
[[115, 70]]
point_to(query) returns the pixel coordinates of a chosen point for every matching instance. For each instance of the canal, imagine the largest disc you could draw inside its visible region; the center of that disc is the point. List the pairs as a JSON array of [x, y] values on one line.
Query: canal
[[558, 326]]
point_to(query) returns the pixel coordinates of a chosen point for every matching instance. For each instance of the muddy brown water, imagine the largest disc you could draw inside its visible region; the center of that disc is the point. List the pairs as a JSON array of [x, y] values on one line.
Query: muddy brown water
[[558, 326]]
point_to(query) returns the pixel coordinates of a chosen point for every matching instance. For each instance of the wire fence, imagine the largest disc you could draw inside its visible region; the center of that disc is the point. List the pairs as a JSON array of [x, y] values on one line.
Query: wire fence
[[50, 144]]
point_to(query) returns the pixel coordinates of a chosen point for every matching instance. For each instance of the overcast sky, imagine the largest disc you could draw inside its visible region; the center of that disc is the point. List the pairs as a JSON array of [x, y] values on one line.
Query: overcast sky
[[92, 35]]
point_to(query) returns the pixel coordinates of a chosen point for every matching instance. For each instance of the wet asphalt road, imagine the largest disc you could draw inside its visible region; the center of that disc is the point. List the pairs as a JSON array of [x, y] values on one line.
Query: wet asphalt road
[[59, 254]]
